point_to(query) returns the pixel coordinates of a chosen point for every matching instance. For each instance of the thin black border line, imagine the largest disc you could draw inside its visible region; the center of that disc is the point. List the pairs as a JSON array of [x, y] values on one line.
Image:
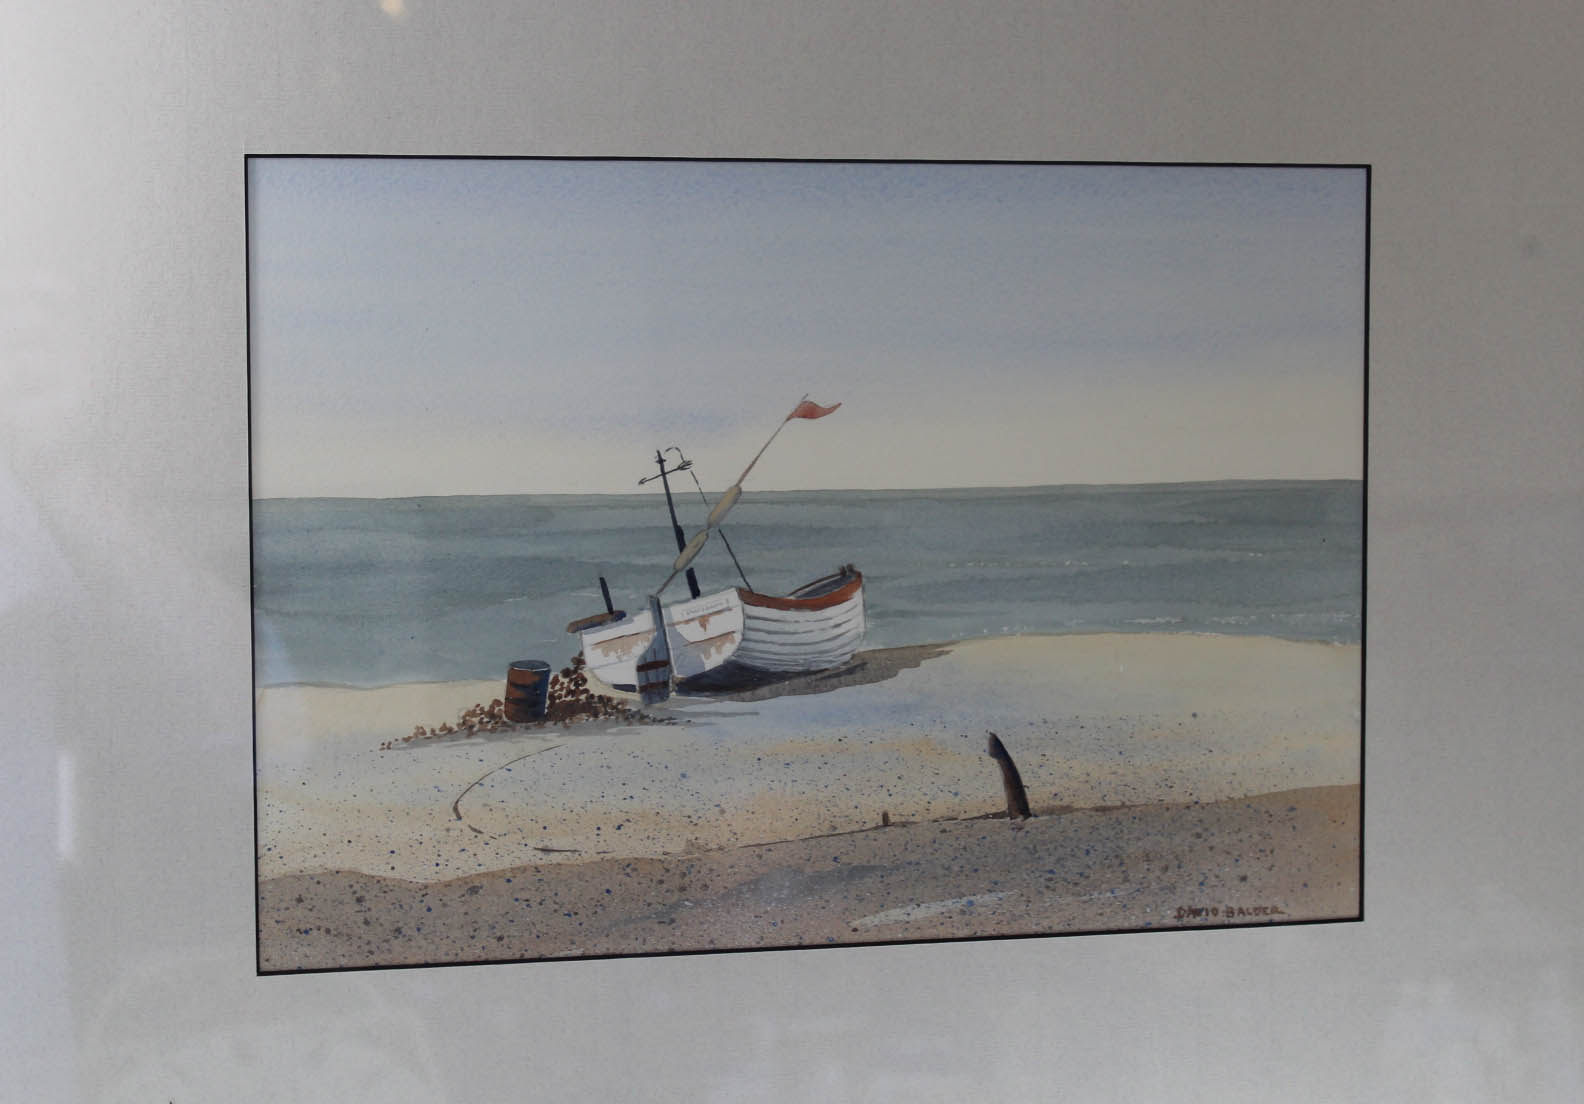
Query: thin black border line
[[655, 159], [253, 687], [1358, 918], [1364, 486], [778, 948]]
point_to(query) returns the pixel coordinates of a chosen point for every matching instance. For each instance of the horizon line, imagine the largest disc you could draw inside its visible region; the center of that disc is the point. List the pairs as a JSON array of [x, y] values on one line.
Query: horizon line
[[824, 490]]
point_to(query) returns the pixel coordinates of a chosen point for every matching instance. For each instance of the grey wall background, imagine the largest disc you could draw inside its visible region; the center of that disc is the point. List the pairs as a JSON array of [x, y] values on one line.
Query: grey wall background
[[126, 811]]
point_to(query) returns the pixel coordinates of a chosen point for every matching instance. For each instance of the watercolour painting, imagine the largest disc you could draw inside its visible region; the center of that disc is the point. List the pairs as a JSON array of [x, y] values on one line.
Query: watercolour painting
[[678, 556]]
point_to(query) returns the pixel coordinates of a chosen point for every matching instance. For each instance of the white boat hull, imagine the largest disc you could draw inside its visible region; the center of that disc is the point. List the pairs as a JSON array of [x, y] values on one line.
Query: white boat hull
[[789, 640], [815, 628]]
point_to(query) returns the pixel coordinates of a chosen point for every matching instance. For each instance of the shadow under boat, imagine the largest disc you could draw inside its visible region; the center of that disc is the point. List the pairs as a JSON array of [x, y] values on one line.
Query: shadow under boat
[[736, 682]]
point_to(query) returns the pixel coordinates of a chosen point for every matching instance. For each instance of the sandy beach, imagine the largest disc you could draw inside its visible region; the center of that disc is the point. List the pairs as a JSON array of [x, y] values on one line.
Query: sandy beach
[[1173, 778]]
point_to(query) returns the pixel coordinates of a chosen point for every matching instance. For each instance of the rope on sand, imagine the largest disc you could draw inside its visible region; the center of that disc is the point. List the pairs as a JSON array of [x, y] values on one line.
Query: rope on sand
[[456, 810]]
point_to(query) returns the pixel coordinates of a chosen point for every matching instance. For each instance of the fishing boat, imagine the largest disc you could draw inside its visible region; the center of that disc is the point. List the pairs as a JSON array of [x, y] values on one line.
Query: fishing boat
[[733, 636], [730, 637]]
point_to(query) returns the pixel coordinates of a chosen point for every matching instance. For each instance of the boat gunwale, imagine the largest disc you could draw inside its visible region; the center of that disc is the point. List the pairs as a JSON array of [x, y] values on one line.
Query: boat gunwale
[[821, 602]]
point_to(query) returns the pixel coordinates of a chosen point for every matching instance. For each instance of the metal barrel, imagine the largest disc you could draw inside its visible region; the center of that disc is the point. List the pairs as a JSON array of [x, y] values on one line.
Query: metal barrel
[[527, 690]]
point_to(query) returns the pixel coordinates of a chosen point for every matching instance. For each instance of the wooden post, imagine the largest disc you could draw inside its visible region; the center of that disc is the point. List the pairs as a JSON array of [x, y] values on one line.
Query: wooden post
[[1011, 781]]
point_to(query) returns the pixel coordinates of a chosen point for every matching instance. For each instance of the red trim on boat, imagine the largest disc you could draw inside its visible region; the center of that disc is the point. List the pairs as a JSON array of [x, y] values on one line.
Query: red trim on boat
[[824, 601]]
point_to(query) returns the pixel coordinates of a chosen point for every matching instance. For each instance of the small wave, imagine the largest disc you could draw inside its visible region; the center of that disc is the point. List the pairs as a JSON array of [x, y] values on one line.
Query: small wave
[[1335, 617]]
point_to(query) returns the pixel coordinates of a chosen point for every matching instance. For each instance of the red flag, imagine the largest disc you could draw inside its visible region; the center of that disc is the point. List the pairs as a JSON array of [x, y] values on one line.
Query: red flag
[[807, 409], [804, 409]]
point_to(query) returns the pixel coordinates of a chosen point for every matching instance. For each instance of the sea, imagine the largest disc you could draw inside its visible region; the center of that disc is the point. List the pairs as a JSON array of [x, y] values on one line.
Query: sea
[[376, 592]]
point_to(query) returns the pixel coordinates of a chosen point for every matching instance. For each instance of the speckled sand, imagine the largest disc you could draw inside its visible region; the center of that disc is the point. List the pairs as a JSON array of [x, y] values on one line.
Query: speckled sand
[[1174, 727]]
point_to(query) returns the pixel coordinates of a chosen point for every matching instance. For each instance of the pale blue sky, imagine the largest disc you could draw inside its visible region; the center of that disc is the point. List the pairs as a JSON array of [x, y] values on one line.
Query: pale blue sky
[[479, 327]]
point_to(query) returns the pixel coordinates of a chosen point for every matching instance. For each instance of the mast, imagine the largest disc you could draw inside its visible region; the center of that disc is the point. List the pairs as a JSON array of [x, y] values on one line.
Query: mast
[[676, 527]]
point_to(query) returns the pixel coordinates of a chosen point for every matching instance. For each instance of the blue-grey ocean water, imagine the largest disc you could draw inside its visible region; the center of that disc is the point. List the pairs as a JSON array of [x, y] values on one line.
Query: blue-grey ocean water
[[372, 592]]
